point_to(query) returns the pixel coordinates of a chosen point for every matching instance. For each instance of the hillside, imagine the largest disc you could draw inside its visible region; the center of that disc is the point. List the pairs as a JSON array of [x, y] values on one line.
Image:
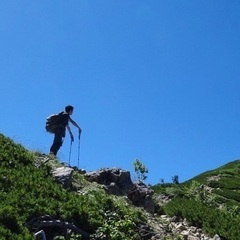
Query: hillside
[[205, 207], [210, 200], [224, 182]]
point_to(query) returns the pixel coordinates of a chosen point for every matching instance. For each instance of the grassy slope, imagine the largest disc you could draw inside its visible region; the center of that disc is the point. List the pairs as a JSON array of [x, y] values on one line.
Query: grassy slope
[[27, 191], [229, 169], [210, 200], [224, 181]]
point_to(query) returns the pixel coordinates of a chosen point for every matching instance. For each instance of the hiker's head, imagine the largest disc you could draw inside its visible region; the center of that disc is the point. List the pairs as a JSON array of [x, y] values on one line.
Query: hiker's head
[[69, 109]]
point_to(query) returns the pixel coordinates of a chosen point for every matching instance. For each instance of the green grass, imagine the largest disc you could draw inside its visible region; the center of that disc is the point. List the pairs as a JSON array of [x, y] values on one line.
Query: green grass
[[210, 200], [27, 191], [211, 220]]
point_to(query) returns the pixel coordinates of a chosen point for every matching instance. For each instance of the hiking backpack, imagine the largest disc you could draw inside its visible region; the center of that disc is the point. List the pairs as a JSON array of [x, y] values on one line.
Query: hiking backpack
[[53, 122]]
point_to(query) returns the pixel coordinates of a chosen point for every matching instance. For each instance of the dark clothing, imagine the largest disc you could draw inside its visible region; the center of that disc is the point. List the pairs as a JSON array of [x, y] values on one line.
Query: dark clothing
[[57, 141], [60, 132], [63, 120]]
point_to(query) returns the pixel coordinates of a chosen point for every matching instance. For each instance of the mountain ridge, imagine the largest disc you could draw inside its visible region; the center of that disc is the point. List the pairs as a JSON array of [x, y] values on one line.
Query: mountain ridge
[[200, 208]]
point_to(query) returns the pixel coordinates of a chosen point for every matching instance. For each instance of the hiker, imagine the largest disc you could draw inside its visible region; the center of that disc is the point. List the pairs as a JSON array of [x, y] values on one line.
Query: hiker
[[60, 129]]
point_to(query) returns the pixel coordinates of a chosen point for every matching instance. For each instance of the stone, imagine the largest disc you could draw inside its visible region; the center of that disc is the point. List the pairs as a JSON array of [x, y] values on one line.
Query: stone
[[118, 182], [190, 237], [185, 234], [107, 176], [216, 237], [193, 229], [63, 175], [141, 196], [181, 227]]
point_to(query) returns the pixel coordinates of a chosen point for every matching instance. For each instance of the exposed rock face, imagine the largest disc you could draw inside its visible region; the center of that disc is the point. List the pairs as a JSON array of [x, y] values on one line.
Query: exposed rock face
[[63, 175], [118, 182], [115, 181], [141, 195], [49, 227]]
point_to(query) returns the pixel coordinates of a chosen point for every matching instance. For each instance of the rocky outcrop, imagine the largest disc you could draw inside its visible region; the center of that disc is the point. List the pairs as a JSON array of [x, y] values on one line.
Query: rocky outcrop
[[49, 227], [118, 182], [63, 175], [115, 180], [140, 195]]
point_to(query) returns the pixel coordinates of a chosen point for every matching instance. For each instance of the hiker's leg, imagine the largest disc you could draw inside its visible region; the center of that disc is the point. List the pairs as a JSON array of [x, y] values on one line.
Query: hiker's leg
[[57, 142]]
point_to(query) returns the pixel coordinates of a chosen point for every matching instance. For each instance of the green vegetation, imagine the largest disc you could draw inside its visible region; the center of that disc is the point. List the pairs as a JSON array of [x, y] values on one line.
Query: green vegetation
[[211, 220], [140, 169], [210, 201], [27, 191]]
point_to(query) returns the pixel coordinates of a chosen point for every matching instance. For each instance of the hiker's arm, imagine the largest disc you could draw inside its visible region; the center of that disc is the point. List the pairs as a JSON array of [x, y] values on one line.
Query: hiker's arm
[[70, 132], [75, 124], [69, 129]]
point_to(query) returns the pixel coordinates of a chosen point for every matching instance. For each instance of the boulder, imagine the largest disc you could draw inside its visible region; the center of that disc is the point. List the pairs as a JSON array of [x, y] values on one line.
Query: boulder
[[63, 175], [115, 180], [216, 237], [118, 182], [140, 195], [191, 237]]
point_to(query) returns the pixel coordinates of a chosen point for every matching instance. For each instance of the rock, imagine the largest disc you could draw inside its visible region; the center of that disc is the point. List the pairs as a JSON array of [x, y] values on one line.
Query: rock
[[107, 176], [49, 227], [163, 198], [193, 229], [216, 237], [175, 219], [118, 182], [157, 237], [190, 237], [63, 175], [145, 232], [180, 227], [185, 234], [141, 196]]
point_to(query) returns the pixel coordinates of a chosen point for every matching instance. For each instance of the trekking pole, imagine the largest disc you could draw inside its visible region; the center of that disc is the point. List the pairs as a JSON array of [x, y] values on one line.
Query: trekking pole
[[79, 147], [70, 151]]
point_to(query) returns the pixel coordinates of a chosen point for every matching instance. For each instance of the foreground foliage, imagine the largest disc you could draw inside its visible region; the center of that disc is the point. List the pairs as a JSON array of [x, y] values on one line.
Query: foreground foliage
[[27, 191], [210, 201]]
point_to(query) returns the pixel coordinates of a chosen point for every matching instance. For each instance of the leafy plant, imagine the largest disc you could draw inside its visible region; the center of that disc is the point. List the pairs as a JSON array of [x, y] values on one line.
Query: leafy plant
[[140, 169]]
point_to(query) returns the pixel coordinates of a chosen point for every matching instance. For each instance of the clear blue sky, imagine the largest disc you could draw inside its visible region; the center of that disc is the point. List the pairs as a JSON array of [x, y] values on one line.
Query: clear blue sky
[[156, 80]]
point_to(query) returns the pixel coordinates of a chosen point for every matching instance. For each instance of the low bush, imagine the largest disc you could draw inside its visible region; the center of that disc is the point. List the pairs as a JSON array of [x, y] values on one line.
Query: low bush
[[27, 191], [212, 221]]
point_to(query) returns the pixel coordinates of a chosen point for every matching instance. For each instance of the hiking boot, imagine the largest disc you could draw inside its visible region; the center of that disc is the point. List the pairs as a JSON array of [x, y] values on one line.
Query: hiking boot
[[52, 155]]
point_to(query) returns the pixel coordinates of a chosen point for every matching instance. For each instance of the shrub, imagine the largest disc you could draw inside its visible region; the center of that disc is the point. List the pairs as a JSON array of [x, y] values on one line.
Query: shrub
[[212, 221], [140, 169], [27, 191]]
